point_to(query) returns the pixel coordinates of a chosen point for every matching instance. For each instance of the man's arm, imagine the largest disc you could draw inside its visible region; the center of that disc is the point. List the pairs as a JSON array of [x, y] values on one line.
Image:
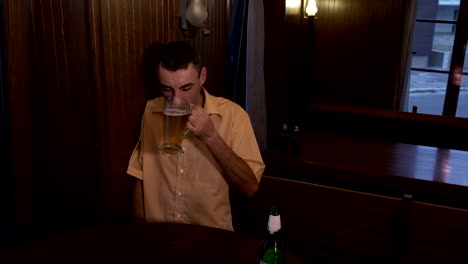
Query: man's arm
[[235, 169]]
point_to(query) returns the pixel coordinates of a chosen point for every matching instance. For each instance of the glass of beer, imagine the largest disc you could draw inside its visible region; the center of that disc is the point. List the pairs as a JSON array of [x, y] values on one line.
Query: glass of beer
[[176, 113]]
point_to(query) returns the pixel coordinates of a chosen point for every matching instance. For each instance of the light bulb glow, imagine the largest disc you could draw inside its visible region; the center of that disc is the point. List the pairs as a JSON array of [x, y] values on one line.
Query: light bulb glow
[[293, 3], [293, 7], [311, 8]]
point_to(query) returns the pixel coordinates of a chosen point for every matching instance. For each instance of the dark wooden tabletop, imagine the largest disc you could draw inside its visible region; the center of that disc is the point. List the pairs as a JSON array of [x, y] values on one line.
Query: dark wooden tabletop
[[376, 163], [142, 243], [378, 156]]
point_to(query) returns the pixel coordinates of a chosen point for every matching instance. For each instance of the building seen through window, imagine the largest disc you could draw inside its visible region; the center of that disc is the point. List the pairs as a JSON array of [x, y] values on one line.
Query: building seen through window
[[432, 51]]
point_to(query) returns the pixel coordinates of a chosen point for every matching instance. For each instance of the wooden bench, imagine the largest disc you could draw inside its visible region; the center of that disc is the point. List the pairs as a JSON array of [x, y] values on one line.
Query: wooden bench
[[332, 225], [325, 224], [436, 234]]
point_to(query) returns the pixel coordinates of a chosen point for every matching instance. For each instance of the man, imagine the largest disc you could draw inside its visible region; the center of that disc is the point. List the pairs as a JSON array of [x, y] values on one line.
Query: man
[[220, 150]]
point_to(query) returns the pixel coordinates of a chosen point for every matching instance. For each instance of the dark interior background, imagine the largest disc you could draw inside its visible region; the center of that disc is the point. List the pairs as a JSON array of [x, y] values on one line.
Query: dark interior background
[[76, 99], [5, 174], [75, 94]]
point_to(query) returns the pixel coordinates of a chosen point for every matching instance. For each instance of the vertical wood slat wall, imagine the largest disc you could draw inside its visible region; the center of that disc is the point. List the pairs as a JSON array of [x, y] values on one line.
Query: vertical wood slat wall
[[76, 100], [65, 157], [17, 26], [51, 112]]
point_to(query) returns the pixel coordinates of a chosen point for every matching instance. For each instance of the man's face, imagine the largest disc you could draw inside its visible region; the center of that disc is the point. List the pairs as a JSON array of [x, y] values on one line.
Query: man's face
[[183, 83]]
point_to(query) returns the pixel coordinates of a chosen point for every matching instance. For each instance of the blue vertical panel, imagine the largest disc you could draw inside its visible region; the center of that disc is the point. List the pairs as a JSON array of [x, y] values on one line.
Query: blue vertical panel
[[255, 101], [237, 47]]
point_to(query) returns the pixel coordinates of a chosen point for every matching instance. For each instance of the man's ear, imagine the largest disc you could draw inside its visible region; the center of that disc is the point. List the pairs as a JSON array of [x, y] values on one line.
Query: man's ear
[[202, 77]]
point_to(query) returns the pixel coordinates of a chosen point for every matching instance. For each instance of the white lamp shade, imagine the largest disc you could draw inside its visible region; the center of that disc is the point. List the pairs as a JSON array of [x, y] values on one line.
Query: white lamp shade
[[311, 8], [196, 13]]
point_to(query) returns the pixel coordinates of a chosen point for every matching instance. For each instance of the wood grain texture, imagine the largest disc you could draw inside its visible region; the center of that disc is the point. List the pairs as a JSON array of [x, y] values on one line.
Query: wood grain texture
[[18, 28], [52, 105], [358, 46]]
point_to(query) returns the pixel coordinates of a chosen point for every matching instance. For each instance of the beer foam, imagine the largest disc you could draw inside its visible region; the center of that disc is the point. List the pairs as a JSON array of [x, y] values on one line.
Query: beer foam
[[175, 112]]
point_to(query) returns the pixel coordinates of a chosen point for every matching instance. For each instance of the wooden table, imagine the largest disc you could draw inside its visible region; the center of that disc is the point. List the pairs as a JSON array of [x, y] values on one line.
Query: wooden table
[[428, 174], [142, 243]]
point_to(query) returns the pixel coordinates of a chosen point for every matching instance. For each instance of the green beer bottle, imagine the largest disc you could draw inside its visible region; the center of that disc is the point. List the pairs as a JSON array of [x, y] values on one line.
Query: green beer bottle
[[272, 248]]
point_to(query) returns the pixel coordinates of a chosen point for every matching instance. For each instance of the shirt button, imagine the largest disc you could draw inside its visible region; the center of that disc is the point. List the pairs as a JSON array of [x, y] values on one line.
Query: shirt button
[[179, 193], [182, 171]]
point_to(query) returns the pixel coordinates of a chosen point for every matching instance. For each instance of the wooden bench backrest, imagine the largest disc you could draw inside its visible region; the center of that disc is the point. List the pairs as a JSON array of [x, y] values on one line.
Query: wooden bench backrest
[[326, 224]]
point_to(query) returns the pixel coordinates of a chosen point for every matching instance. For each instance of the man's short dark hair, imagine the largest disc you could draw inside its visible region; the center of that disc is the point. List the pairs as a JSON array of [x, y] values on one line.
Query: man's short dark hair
[[178, 55]]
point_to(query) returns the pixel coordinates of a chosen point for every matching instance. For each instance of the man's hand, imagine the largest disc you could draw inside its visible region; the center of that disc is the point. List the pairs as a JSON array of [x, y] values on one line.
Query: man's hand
[[200, 124]]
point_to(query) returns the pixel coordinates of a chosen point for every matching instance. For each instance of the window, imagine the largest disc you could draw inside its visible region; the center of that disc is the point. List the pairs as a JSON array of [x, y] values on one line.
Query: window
[[438, 82]]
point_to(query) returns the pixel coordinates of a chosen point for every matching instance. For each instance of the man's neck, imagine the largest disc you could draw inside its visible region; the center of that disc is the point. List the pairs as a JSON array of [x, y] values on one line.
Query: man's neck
[[202, 97]]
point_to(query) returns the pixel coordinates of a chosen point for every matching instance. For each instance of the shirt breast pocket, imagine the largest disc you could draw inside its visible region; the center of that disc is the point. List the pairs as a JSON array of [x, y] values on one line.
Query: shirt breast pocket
[[202, 169]]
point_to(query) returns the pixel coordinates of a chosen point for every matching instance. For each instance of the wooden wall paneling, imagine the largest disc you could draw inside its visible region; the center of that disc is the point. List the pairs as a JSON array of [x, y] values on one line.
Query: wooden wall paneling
[[82, 137], [94, 27], [128, 27], [355, 58], [18, 28], [358, 51], [274, 67], [66, 179], [76, 100], [6, 180], [122, 103], [46, 187]]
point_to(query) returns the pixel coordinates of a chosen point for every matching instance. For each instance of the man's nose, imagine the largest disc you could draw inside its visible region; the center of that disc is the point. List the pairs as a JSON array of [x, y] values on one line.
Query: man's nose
[[178, 94]]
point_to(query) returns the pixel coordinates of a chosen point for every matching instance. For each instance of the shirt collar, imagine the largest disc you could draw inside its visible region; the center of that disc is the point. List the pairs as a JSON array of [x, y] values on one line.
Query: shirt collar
[[156, 105], [211, 107]]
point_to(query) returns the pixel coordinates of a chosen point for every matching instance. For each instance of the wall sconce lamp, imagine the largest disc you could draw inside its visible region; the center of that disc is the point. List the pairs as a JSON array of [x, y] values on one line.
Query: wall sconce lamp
[[193, 17], [308, 8]]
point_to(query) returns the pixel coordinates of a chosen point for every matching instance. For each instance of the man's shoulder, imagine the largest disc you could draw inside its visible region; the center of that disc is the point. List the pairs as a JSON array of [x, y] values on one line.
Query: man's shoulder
[[225, 104], [155, 105]]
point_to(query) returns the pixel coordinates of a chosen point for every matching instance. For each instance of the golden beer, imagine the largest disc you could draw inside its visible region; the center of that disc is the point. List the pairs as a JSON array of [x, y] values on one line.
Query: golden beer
[[175, 126]]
